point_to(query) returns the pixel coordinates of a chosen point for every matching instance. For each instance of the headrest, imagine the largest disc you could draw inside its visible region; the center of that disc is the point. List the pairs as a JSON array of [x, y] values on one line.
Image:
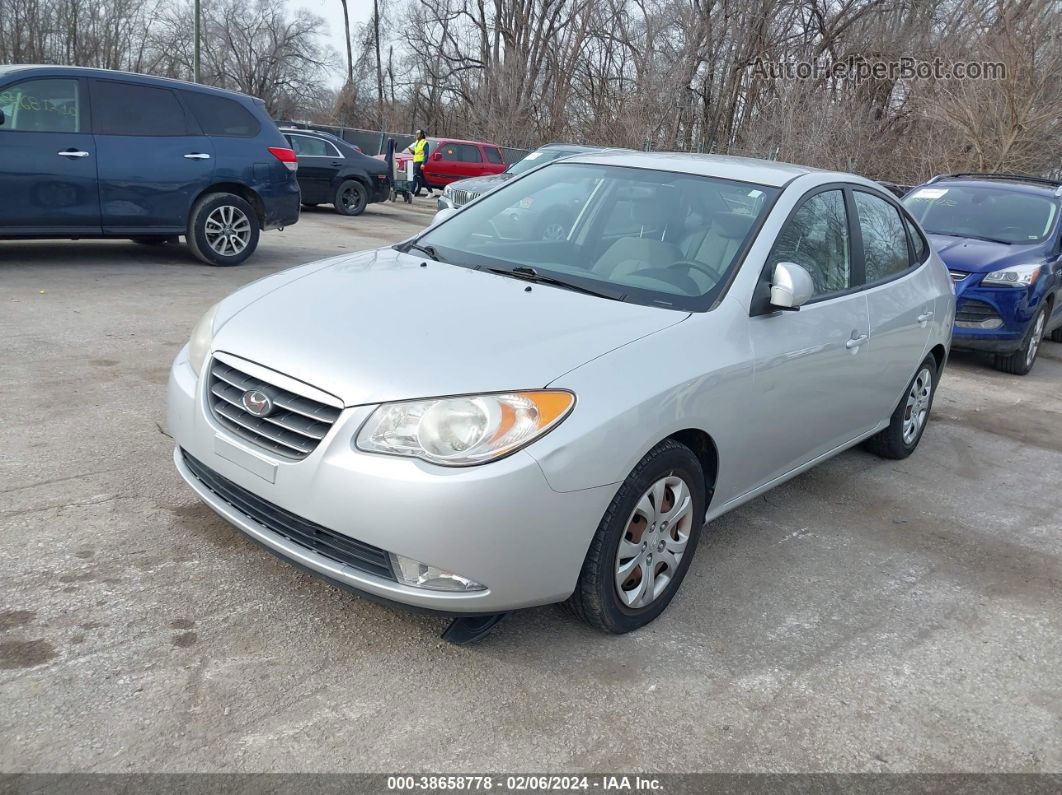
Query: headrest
[[733, 225]]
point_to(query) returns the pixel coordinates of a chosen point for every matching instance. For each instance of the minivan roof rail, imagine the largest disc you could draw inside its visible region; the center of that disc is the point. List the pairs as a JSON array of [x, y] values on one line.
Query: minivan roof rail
[[1053, 183]]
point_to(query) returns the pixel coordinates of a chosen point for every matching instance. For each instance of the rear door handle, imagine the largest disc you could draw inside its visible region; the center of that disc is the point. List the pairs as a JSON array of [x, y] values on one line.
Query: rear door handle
[[73, 153], [925, 317], [855, 342], [197, 156]]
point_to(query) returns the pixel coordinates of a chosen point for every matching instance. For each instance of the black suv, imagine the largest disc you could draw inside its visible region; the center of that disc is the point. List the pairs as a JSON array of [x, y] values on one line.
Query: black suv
[[101, 154], [331, 171]]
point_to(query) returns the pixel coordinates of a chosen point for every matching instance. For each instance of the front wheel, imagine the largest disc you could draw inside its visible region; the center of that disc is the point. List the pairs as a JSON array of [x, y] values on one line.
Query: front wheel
[[222, 229], [644, 543], [908, 421], [1022, 360], [351, 198]]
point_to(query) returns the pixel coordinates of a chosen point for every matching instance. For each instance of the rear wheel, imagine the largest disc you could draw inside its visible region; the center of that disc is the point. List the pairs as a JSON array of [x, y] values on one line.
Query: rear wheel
[[222, 229], [644, 543], [1022, 360], [351, 198], [908, 421]]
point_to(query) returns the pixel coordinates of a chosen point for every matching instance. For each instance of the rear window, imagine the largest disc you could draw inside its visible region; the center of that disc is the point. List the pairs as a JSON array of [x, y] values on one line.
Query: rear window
[[221, 116], [130, 109]]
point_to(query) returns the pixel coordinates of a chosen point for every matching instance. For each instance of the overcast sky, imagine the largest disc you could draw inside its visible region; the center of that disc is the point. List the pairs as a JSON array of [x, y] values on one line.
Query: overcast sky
[[332, 12]]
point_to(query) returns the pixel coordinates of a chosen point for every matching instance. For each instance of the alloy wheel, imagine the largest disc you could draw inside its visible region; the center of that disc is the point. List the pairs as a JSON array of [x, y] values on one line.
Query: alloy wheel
[[350, 199], [227, 230], [654, 542], [1034, 340], [914, 415]]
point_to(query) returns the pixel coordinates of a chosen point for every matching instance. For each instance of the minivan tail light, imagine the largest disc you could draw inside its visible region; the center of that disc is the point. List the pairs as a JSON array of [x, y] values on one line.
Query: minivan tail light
[[285, 156]]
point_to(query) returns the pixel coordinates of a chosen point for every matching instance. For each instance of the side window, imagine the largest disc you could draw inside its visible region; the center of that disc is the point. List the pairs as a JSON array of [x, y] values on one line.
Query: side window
[[449, 152], [471, 154], [221, 116], [884, 238], [306, 146], [129, 109], [493, 155], [41, 106], [921, 247], [816, 237]]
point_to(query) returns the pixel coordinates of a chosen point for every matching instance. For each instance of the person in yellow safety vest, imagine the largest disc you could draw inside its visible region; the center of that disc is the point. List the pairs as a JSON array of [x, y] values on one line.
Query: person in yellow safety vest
[[420, 150]]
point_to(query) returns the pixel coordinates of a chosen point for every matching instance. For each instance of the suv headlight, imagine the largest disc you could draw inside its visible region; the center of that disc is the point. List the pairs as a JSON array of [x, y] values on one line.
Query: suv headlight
[[1014, 276], [461, 431], [202, 336]]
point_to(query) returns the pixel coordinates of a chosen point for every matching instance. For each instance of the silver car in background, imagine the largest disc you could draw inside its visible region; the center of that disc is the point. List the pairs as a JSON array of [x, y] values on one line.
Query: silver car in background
[[472, 422]]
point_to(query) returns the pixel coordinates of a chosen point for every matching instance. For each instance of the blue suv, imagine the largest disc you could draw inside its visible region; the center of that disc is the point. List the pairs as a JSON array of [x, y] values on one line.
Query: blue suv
[[1001, 237], [91, 153]]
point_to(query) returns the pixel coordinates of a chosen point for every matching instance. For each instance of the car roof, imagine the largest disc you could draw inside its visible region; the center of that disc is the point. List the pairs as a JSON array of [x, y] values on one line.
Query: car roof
[[742, 169], [1014, 184], [85, 71], [441, 140]]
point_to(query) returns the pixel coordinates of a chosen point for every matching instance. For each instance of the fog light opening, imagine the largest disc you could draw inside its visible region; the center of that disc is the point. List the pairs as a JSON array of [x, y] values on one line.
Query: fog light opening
[[421, 575]]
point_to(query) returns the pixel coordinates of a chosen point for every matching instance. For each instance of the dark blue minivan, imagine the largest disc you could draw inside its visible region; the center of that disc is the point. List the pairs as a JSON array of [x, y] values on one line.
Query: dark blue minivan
[[92, 153], [1001, 237]]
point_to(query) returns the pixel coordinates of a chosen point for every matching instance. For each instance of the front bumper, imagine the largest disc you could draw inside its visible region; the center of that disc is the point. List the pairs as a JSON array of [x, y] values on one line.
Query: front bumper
[[499, 524], [1010, 310]]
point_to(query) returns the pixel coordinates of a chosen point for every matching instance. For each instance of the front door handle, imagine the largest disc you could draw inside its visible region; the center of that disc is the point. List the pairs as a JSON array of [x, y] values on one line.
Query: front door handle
[[73, 153], [855, 342], [198, 156], [925, 317]]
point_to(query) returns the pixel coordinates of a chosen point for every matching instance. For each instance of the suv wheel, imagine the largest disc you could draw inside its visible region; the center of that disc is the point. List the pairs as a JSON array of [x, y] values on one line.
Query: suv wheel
[[222, 229], [644, 543], [1022, 360], [908, 421], [351, 198]]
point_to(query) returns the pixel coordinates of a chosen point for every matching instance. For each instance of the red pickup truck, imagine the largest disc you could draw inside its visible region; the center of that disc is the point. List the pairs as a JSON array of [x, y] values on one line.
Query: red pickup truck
[[451, 159]]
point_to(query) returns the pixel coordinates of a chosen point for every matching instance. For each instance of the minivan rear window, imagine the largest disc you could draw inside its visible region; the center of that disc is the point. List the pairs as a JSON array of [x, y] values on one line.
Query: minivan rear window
[[221, 116]]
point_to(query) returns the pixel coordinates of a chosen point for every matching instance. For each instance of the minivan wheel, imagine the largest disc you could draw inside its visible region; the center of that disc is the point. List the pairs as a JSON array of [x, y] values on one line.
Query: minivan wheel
[[155, 240], [1022, 360], [222, 229], [644, 544], [351, 198], [908, 421]]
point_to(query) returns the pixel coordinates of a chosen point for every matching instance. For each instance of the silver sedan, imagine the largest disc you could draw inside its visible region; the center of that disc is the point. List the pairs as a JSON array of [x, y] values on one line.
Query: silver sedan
[[472, 421]]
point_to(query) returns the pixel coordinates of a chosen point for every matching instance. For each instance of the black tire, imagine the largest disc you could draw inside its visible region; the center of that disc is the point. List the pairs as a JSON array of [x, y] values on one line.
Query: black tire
[[155, 240], [351, 198], [197, 232], [890, 442], [1022, 360], [596, 599]]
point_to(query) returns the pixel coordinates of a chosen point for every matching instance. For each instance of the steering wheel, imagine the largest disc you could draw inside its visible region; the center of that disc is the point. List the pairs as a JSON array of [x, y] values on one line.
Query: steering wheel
[[692, 264]]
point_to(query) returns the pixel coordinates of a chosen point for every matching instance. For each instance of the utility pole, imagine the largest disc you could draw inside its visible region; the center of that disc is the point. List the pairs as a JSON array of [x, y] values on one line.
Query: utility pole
[[379, 67], [195, 59]]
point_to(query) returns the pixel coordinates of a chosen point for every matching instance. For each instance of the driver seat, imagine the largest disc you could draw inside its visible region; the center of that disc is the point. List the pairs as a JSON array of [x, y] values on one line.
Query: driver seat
[[716, 244]]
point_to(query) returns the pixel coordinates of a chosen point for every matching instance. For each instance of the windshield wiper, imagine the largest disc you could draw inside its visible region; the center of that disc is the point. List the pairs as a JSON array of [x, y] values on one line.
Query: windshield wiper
[[529, 274], [972, 237], [429, 250]]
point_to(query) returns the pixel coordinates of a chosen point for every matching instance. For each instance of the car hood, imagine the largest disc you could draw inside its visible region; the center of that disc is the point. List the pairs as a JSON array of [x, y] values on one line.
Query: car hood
[[481, 184], [981, 256], [379, 326]]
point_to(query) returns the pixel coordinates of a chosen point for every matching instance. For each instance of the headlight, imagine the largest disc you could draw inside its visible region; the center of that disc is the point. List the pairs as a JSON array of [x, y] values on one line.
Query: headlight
[[1014, 276], [448, 190], [202, 336], [460, 431]]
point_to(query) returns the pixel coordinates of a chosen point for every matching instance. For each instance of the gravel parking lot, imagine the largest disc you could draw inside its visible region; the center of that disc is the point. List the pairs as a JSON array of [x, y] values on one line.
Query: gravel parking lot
[[869, 615]]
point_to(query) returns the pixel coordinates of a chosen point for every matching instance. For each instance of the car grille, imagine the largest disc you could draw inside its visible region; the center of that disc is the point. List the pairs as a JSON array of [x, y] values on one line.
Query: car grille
[[334, 546], [977, 314], [957, 276], [293, 429], [462, 197]]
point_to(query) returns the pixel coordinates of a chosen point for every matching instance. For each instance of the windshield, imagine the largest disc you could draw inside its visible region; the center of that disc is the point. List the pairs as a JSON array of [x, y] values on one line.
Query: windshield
[[654, 237], [539, 158], [985, 213]]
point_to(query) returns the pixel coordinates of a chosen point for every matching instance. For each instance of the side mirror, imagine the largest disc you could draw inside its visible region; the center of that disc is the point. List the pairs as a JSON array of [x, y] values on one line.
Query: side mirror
[[791, 286], [436, 156], [442, 215]]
